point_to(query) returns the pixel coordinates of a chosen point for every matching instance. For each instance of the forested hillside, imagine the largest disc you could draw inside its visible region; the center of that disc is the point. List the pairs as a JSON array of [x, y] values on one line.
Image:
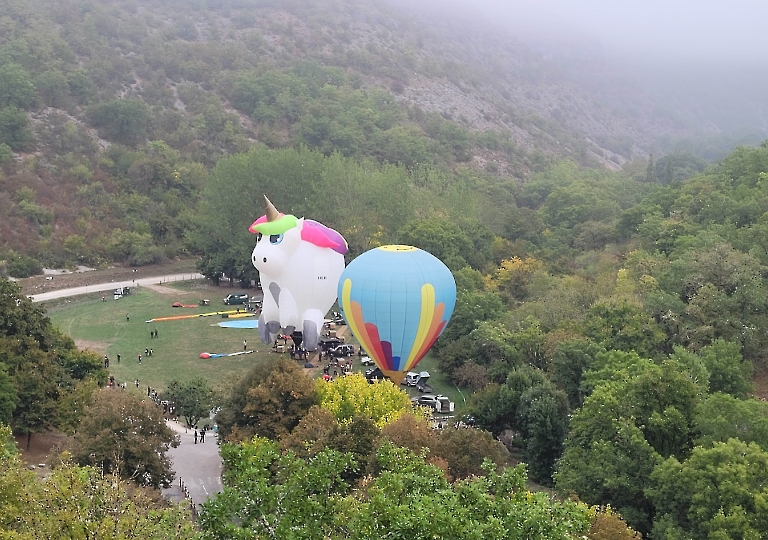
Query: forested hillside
[[112, 114]]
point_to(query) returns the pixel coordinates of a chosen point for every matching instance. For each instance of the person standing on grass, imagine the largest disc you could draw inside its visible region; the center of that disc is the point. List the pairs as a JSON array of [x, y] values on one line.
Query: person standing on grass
[[245, 344], [139, 358]]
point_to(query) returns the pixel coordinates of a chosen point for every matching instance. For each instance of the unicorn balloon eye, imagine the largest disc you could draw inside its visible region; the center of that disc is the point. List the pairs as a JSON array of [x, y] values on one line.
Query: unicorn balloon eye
[[299, 269], [397, 301]]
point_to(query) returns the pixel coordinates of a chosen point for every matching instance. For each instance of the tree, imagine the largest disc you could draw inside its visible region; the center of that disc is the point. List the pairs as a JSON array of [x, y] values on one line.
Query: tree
[[269, 401], [728, 372], [543, 414], [8, 396], [623, 326], [471, 308], [512, 276], [14, 481], [720, 417], [125, 436], [638, 413], [19, 317], [610, 469], [718, 492], [443, 239], [609, 525], [352, 396], [650, 172], [193, 399], [273, 495], [234, 198], [123, 120], [14, 129], [495, 408], [81, 502], [570, 361], [319, 430], [724, 293], [35, 378], [16, 87], [662, 401]]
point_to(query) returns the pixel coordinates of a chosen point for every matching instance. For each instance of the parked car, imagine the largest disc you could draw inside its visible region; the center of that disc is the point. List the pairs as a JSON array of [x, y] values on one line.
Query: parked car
[[366, 360], [236, 298], [344, 349], [438, 403], [415, 379]]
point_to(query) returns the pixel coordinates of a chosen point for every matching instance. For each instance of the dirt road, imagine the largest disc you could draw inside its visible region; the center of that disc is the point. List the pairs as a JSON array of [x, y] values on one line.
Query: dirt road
[[111, 285]]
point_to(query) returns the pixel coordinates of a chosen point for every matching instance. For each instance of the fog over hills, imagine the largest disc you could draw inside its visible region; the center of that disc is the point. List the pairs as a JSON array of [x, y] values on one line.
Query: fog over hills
[[702, 65]]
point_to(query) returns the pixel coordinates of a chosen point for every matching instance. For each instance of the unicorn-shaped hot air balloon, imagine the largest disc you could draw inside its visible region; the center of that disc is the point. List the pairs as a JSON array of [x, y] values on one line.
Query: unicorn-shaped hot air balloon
[[299, 263], [397, 301]]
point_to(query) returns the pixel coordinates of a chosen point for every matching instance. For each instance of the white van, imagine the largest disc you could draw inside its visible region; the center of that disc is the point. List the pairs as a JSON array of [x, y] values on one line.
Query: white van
[[412, 378]]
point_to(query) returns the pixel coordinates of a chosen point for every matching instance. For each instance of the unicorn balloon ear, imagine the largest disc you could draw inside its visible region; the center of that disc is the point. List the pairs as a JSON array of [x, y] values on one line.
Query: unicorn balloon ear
[[272, 213]]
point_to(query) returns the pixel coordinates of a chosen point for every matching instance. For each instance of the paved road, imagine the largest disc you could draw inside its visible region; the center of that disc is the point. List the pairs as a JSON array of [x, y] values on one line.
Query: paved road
[[198, 466], [111, 285]]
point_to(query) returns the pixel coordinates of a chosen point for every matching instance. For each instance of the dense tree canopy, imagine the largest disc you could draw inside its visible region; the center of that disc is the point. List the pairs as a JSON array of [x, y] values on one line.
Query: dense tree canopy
[[40, 368], [269, 494], [81, 502]]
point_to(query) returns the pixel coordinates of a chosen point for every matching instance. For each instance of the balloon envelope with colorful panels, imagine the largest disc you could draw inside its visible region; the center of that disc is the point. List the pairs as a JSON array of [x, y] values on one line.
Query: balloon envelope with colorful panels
[[397, 301]]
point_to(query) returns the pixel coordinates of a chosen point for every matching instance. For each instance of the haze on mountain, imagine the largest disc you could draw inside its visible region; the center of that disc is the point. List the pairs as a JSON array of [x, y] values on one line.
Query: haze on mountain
[[706, 61]]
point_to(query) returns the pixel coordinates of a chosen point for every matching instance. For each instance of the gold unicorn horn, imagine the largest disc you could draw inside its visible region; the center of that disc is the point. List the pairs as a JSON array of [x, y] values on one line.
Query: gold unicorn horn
[[272, 213]]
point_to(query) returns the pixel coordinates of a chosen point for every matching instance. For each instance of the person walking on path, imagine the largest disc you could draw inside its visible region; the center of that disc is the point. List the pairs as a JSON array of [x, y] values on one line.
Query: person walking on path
[[202, 435], [195, 436]]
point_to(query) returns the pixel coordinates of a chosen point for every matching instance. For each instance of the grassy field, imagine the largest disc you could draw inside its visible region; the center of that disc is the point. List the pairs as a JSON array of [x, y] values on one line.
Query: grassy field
[[117, 327]]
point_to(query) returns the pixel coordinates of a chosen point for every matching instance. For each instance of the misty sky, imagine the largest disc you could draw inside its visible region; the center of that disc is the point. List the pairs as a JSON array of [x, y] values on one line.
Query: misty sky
[[705, 30]]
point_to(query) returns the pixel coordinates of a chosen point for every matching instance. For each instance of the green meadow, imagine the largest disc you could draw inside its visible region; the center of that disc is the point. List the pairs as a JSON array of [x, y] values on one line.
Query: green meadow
[[119, 327]]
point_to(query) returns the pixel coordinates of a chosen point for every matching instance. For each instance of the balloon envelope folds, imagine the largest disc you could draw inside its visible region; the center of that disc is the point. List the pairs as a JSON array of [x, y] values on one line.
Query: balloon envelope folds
[[397, 301]]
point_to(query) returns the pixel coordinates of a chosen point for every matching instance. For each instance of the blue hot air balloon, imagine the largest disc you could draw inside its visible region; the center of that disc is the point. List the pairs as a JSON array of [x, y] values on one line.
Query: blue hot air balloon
[[397, 301]]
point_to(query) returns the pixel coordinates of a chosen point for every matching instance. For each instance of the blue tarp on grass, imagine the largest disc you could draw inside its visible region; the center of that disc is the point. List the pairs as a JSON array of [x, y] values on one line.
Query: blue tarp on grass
[[243, 323]]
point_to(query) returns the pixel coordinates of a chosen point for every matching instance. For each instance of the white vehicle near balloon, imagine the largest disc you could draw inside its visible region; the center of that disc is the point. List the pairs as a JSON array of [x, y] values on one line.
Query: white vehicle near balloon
[[300, 262]]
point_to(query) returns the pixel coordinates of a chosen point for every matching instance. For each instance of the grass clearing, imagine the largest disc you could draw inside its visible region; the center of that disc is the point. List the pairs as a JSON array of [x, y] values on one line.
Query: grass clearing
[[119, 327]]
